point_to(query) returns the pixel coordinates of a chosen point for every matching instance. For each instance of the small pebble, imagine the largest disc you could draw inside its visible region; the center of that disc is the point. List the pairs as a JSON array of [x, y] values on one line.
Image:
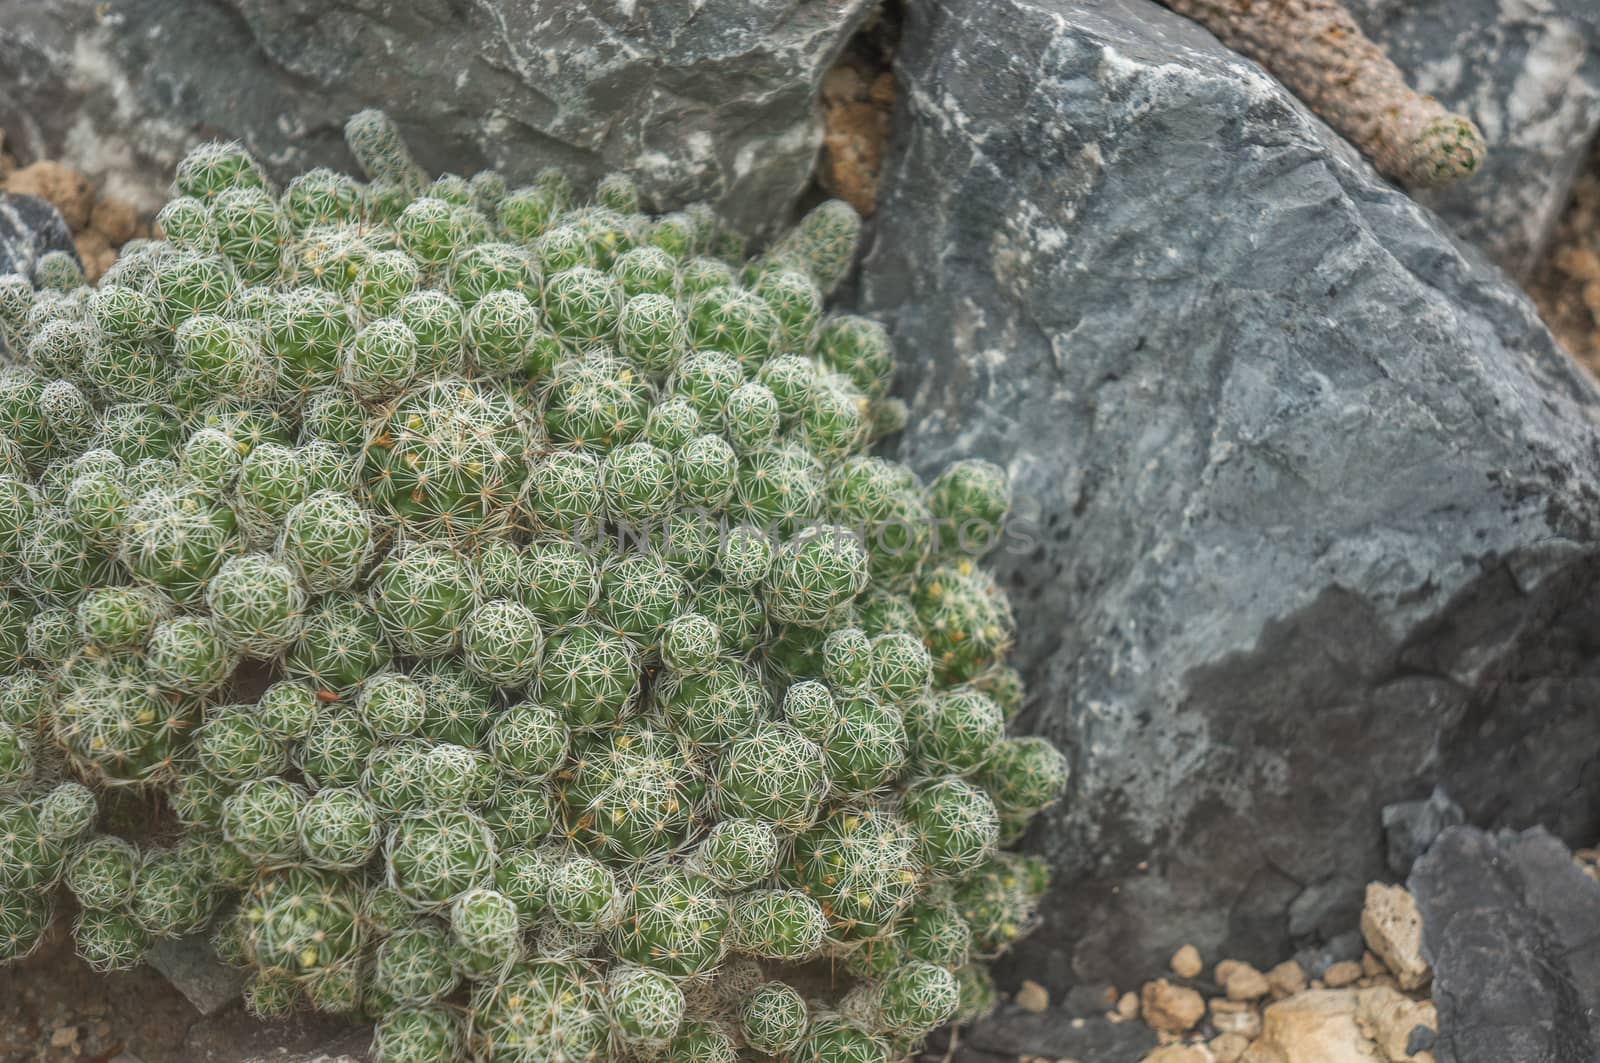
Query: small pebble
[[1186, 962], [1033, 997], [1128, 1005], [1246, 983], [1342, 974], [1286, 979]]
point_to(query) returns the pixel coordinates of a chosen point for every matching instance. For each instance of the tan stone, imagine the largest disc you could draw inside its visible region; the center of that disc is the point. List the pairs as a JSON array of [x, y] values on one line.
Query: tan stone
[[1314, 1027], [1178, 1054], [1234, 1016], [1341, 974], [1128, 1005], [1286, 979], [1169, 1007], [1228, 1047], [1186, 962], [1370, 964], [116, 219], [1224, 968], [96, 254], [68, 189], [1387, 1018], [843, 84], [1392, 928], [1032, 996], [1246, 983]]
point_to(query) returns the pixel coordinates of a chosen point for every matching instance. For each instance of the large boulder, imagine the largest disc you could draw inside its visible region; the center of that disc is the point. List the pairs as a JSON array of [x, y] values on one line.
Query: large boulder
[[1530, 75], [1508, 923], [698, 100], [1307, 496]]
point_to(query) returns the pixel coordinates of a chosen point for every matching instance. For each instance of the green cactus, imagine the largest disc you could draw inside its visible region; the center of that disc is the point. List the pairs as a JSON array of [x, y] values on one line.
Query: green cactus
[[66, 813], [412, 965], [174, 891], [646, 1007], [261, 819], [589, 675], [381, 151], [109, 940], [777, 924], [435, 856], [418, 1035], [302, 920], [674, 922], [955, 825], [485, 933], [773, 774], [629, 794], [370, 437], [25, 916], [529, 740], [338, 829], [774, 1018], [100, 873], [1024, 775], [548, 1009], [737, 854]]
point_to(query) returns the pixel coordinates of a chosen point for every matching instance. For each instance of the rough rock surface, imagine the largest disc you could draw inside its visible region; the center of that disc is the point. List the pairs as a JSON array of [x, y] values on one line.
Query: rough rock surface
[[1303, 486], [191, 964], [1340, 1026], [698, 100], [1509, 923], [1393, 931], [1059, 1032], [28, 228], [1529, 74], [1409, 827]]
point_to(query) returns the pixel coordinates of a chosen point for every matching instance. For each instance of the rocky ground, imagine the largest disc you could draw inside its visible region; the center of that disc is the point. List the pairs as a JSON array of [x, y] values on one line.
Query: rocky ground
[[53, 1009], [1377, 1008]]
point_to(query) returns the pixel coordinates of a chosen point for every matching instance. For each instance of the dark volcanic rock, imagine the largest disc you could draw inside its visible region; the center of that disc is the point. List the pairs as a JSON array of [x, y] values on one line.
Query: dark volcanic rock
[[699, 100], [1530, 75], [29, 227], [1509, 924], [1011, 1034], [1307, 494], [1409, 827]]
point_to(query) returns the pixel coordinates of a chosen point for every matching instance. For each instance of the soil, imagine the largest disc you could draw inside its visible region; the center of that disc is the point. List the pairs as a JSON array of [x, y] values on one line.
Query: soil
[[54, 1009]]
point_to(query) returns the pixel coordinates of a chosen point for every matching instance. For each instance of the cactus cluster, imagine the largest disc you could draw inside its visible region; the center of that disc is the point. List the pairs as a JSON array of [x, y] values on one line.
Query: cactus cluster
[[497, 590]]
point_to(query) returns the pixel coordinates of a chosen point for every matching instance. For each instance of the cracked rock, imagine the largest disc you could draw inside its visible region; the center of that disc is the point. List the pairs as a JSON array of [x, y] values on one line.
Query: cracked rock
[[1508, 924], [697, 101], [1409, 827], [1308, 497]]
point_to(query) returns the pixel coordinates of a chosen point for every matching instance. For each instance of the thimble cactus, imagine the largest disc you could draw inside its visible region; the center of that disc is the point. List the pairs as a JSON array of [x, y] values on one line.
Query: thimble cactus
[[496, 588]]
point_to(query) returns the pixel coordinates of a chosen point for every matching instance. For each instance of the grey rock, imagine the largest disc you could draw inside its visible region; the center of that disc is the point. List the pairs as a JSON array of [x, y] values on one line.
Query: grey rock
[[1409, 827], [30, 227], [1343, 948], [699, 100], [1307, 495], [1529, 74], [1508, 925], [1012, 1033], [191, 964]]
